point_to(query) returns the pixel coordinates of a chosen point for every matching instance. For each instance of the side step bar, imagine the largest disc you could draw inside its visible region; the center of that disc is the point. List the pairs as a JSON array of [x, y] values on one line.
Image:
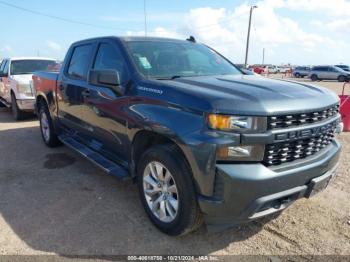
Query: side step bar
[[110, 167]]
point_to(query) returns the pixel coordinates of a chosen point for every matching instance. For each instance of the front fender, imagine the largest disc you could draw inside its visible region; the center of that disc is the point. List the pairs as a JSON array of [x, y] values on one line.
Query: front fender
[[188, 130]]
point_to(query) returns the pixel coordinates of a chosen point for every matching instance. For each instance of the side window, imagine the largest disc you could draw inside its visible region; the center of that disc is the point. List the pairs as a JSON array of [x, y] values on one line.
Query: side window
[[79, 62], [109, 57], [6, 67], [2, 65]]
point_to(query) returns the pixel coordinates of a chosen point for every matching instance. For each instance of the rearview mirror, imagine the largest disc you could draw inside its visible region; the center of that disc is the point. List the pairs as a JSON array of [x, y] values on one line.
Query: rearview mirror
[[108, 78]]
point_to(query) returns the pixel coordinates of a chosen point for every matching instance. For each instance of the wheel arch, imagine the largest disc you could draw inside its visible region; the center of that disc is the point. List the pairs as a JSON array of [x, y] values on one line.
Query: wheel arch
[[145, 139]]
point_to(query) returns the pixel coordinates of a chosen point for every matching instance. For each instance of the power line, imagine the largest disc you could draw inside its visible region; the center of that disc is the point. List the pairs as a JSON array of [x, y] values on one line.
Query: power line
[[59, 18]]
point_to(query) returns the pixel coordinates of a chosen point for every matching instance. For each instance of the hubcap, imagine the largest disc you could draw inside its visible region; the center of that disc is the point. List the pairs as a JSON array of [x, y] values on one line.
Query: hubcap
[[45, 128], [160, 192]]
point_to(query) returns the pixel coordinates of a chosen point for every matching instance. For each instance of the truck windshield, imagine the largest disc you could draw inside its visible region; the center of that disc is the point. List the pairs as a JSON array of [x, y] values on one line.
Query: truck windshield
[[21, 67], [169, 60]]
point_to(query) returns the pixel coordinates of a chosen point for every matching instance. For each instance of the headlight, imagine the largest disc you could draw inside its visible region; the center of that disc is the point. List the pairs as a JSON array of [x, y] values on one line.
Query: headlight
[[241, 153], [24, 89], [236, 123]]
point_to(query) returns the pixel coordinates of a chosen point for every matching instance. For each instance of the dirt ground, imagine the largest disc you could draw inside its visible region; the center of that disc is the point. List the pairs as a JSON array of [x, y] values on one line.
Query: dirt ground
[[53, 201]]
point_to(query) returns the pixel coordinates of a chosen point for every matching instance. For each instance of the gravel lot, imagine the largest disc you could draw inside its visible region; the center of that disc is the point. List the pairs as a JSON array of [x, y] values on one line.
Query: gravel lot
[[52, 201]]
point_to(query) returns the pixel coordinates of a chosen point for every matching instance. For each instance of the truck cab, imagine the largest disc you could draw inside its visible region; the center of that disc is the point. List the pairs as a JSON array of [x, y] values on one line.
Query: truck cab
[[202, 140], [15, 82]]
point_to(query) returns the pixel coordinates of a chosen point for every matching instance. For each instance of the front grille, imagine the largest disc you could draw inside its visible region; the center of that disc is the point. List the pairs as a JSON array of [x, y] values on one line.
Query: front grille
[[279, 153], [291, 120]]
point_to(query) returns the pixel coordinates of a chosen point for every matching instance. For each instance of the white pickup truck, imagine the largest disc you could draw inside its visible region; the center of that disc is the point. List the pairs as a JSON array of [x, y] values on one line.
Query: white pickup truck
[[15, 82]]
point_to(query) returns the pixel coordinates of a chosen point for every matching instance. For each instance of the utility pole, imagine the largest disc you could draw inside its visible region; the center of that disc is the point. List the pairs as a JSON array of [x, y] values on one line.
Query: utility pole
[[145, 14], [248, 35], [263, 60]]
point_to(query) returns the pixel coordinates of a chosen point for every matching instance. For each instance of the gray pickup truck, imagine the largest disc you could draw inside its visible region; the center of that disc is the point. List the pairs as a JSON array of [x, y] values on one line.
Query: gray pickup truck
[[203, 140]]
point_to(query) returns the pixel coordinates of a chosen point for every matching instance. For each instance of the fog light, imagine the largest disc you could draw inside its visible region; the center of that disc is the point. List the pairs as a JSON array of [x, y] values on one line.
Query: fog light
[[340, 128]]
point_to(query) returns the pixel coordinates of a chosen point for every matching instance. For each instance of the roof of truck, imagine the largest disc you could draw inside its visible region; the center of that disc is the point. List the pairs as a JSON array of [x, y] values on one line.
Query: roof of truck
[[133, 38], [31, 58]]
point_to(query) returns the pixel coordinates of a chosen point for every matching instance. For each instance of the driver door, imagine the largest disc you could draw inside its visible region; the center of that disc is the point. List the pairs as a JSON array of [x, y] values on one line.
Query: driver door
[[103, 110]]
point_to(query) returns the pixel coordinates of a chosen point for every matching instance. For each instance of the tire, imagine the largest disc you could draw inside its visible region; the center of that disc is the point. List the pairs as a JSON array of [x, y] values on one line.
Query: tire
[[314, 78], [297, 75], [16, 112], [167, 160], [341, 78], [47, 130]]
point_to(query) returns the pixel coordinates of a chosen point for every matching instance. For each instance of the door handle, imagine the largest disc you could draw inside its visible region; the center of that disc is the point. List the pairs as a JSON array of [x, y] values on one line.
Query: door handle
[[86, 93]]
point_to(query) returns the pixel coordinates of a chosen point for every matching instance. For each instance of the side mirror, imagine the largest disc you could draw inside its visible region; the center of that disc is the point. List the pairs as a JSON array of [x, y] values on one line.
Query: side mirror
[[107, 78]]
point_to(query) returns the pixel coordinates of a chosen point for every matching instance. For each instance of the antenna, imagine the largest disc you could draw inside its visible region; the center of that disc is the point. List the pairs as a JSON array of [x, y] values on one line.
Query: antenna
[[191, 39]]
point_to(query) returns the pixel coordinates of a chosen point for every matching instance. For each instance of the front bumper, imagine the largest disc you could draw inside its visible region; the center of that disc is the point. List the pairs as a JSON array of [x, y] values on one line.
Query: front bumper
[[26, 104], [244, 192]]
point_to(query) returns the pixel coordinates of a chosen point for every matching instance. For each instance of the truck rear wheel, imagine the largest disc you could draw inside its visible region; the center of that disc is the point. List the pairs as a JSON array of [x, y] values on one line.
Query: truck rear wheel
[[341, 79], [46, 127], [167, 191], [16, 112]]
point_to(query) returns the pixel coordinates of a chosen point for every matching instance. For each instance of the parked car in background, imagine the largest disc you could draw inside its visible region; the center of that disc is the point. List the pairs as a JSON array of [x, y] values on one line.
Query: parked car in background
[[249, 72], [283, 69], [202, 140], [329, 73], [271, 69], [15, 82], [344, 67], [257, 69], [301, 71]]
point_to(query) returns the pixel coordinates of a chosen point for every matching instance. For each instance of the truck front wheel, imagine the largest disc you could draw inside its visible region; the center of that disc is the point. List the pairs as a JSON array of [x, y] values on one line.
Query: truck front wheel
[[167, 191], [16, 112], [46, 127]]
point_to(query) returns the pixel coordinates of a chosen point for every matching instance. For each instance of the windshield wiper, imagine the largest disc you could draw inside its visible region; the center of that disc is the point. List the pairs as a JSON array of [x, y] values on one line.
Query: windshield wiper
[[169, 77]]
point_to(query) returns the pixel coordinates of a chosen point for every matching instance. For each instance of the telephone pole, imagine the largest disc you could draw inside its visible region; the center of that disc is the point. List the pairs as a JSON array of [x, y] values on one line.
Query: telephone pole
[[145, 15], [263, 60], [248, 35]]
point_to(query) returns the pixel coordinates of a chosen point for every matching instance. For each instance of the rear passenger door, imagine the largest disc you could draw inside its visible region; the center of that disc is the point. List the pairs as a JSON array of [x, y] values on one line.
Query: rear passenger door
[[323, 72], [104, 109], [72, 86], [333, 73]]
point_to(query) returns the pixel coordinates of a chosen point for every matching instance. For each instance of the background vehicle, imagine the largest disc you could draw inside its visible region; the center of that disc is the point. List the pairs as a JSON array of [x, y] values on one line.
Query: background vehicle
[[272, 69], [301, 71], [283, 69], [329, 73], [257, 69], [249, 72], [202, 140], [344, 67], [15, 78]]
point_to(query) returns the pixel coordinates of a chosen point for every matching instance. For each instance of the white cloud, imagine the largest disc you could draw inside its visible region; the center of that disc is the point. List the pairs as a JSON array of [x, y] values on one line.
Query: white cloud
[[322, 39], [327, 7], [340, 25], [157, 32], [53, 45]]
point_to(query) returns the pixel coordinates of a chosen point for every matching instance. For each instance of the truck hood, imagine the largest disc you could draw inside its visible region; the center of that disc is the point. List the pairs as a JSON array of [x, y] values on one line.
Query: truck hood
[[251, 95]]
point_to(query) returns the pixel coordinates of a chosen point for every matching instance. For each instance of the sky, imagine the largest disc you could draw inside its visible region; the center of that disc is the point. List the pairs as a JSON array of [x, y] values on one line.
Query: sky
[[299, 32]]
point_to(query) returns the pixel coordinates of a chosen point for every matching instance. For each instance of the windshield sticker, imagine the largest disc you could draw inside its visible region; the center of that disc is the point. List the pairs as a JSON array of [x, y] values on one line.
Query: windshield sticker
[[144, 62]]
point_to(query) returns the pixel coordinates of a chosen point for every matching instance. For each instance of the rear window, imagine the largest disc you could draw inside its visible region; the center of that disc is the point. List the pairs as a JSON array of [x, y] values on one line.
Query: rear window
[[79, 62], [22, 67]]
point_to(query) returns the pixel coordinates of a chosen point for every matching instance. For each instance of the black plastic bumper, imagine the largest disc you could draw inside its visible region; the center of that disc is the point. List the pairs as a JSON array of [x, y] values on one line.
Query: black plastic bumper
[[244, 192]]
